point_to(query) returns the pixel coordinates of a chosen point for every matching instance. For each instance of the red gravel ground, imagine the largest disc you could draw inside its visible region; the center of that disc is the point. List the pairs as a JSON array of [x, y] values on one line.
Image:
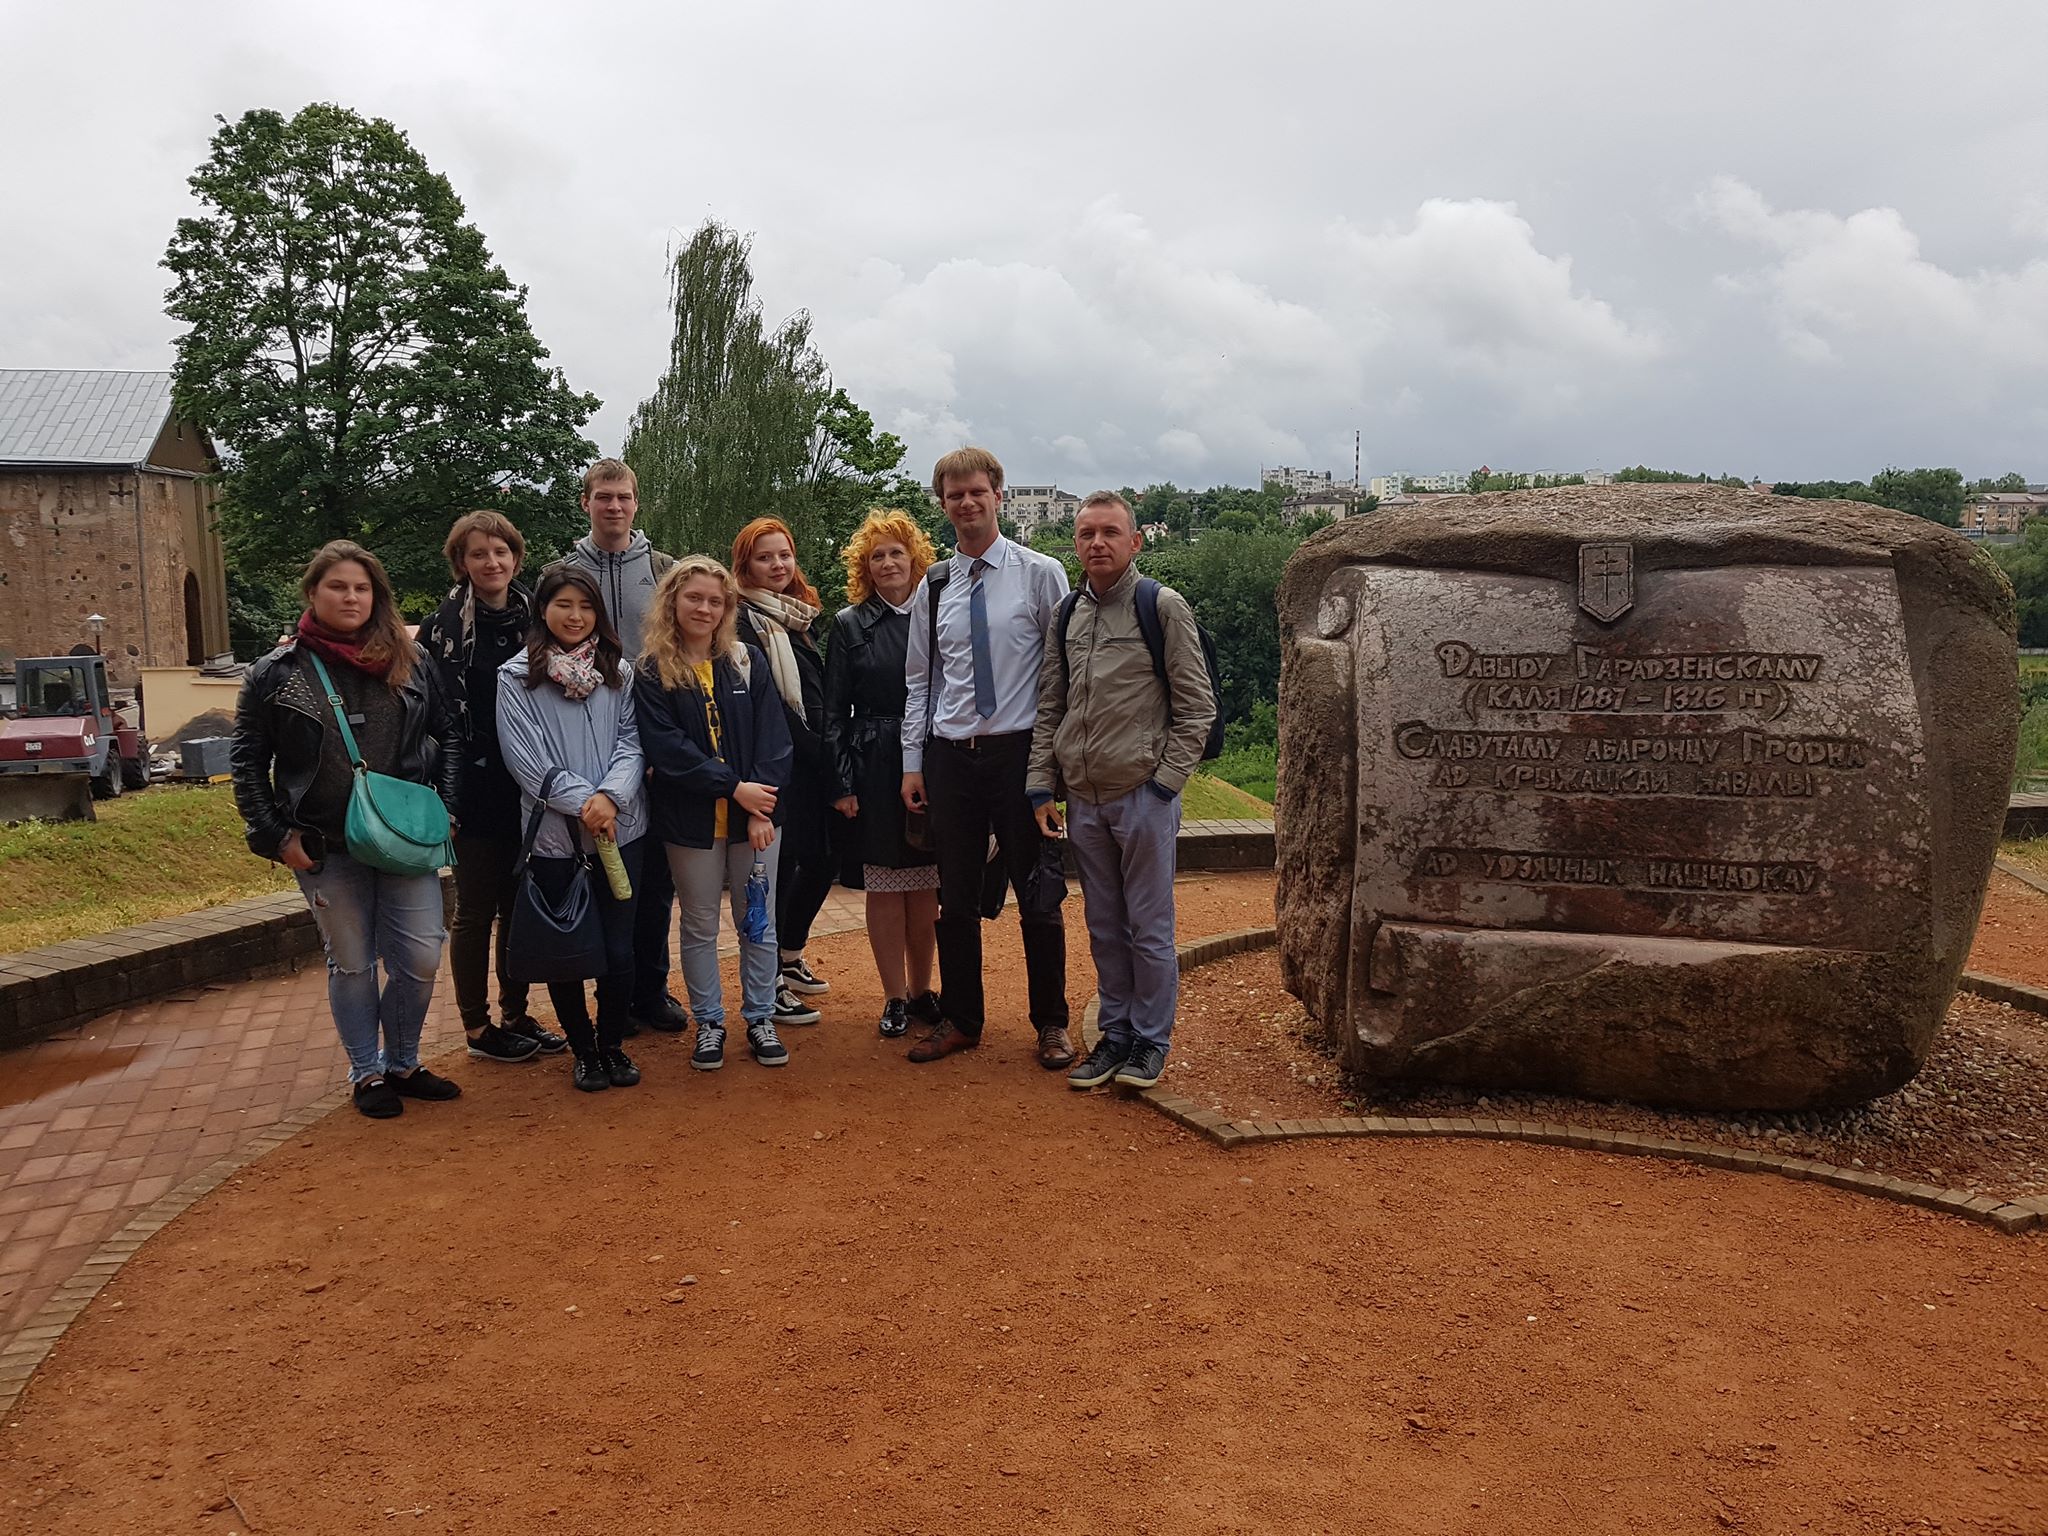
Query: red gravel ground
[[855, 1295]]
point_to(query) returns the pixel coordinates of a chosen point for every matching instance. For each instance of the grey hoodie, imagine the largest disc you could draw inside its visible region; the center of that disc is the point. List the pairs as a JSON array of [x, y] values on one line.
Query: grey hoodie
[[626, 581]]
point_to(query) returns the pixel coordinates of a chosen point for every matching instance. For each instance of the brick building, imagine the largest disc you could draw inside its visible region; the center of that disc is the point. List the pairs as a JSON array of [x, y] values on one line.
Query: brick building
[[104, 509]]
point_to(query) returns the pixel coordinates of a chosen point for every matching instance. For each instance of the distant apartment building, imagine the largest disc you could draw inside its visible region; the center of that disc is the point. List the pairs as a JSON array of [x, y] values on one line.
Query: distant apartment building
[[1438, 483], [1334, 503], [2000, 513], [1030, 507], [1298, 481], [1384, 486]]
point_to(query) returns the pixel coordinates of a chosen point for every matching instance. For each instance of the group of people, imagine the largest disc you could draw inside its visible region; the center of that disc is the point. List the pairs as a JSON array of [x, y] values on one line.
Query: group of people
[[681, 717]]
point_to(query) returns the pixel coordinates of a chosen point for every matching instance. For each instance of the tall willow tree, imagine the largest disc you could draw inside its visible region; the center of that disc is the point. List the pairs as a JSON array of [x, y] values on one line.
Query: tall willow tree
[[727, 434]]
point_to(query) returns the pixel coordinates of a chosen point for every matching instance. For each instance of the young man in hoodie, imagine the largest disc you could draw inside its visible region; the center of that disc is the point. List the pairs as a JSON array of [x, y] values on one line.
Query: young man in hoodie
[[627, 566]]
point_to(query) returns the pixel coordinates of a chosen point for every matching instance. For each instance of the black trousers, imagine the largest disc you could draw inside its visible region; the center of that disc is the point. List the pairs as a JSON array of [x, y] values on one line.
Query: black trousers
[[483, 896], [615, 986], [806, 866], [653, 920], [973, 791]]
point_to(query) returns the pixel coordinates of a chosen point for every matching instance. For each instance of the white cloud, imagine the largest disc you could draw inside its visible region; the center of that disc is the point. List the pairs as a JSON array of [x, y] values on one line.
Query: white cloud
[[1856, 289]]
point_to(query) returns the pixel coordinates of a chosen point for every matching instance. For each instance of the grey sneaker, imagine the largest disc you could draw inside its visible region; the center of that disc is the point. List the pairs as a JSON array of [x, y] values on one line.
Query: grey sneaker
[[1142, 1068], [1101, 1064], [767, 1047], [710, 1053]]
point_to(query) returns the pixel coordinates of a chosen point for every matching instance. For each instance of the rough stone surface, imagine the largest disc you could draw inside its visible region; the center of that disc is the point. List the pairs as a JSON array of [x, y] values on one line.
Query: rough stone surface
[[1676, 794]]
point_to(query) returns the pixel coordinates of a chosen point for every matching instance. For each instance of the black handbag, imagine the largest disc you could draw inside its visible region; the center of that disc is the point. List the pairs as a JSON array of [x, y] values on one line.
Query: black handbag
[[559, 939]]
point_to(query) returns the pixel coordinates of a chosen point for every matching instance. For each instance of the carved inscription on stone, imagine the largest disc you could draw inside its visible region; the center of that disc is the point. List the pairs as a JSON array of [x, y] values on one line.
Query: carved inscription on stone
[[1736, 756]]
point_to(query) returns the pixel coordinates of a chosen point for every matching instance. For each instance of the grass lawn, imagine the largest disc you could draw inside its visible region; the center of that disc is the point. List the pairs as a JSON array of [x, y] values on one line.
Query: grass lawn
[[1207, 799], [177, 849], [172, 849], [2029, 853]]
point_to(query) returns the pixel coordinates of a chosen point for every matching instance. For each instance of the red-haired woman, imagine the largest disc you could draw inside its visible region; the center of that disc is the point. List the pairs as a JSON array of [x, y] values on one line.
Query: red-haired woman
[[777, 609], [293, 776]]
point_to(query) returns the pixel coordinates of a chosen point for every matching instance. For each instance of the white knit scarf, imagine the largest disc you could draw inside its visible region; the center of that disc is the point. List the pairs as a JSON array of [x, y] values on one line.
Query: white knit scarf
[[786, 614]]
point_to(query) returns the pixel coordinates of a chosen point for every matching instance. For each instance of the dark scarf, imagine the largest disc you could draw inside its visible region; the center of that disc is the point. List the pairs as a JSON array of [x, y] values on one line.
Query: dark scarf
[[346, 649]]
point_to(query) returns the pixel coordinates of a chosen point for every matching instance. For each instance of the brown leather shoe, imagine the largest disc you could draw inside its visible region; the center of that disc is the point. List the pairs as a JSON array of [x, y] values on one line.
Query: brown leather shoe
[[1053, 1050], [942, 1039]]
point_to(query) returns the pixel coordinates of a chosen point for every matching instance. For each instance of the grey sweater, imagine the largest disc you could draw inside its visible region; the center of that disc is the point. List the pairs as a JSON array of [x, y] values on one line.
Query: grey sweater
[[626, 580], [594, 742]]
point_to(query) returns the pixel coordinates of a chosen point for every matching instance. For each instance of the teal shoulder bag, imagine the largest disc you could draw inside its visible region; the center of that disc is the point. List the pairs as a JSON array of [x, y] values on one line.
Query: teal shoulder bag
[[393, 824]]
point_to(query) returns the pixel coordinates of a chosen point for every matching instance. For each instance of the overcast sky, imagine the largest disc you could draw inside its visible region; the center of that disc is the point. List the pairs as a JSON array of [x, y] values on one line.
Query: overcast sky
[[1128, 242]]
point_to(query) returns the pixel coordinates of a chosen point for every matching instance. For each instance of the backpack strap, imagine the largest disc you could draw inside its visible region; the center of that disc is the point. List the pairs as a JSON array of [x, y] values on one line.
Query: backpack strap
[[1147, 603], [1063, 618], [935, 580]]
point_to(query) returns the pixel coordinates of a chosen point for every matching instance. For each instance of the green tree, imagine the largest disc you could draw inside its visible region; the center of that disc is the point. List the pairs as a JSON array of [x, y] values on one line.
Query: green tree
[[2026, 566], [2012, 480], [1935, 494], [366, 368], [732, 430], [1232, 581]]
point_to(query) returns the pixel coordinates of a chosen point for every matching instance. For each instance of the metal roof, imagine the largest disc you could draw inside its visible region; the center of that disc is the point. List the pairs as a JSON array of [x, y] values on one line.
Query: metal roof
[[81, 416]]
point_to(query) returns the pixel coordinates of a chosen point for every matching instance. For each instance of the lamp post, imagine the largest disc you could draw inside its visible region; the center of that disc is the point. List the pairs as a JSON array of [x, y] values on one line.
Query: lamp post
[[98, 621]]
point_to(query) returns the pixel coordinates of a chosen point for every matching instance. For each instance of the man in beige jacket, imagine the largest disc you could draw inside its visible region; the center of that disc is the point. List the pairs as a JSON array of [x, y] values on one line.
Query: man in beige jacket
[[1120, 728]]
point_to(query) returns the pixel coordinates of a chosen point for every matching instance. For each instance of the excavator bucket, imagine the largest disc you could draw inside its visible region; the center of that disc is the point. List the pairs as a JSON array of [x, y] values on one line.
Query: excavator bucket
[[45, 797]]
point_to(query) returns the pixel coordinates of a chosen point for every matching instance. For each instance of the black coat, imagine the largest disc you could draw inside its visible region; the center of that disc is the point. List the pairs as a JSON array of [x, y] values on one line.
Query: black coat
[[277, 743], [689, 780], [468, 666], [864, 699]]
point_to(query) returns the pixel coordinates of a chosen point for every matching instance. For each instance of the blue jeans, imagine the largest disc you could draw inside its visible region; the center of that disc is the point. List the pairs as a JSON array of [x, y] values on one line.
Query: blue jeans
[[364, 916], [702, 875], [1123, 849]]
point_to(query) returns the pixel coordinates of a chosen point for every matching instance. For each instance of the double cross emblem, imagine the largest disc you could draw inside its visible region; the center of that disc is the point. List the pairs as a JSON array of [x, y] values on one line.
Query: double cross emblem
[[1607, 580]]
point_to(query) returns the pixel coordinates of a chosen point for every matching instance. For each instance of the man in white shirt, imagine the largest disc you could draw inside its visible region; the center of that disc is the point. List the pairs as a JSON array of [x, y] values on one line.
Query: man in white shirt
[[966, 744]]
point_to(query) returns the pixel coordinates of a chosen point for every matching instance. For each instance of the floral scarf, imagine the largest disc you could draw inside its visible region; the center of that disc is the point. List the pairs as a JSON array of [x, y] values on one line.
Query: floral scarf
[[576, 670]]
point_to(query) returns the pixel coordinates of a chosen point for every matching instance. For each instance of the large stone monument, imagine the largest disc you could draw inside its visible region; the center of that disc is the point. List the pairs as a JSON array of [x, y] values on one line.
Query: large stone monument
[[1677, 794]]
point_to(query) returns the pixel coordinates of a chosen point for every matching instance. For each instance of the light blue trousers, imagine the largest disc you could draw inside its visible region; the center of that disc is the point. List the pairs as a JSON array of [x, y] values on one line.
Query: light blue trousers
[[702, 876], [365, 916], [1124, 851]]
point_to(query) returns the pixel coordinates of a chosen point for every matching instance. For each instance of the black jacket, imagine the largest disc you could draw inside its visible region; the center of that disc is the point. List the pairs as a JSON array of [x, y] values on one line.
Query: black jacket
[[277, 744], [864, 696], [468, 662], [806, 729], [688, 780]]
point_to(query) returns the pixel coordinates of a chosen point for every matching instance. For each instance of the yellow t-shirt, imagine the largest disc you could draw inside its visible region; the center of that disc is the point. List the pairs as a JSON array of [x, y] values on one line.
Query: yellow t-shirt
[[711, 728]]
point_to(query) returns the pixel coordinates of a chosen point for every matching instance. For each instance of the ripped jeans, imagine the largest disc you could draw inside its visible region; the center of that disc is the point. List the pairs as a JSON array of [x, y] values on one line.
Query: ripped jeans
[[364, 916]]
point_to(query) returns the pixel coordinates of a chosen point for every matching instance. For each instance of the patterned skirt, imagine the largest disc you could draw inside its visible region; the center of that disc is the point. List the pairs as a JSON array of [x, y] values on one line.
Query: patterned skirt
[[918, 877]]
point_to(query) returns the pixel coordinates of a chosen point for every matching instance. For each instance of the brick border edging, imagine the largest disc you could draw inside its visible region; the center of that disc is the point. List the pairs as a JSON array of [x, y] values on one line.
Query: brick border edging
[[2009, 1216], [32, 1344]]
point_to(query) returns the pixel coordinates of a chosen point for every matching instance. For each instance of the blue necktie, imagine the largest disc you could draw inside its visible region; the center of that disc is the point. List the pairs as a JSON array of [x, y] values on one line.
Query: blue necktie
[[977, 626]]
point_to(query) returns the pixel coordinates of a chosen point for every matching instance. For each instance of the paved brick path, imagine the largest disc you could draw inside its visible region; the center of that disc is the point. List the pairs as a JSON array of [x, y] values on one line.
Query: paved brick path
[[97, 1123]]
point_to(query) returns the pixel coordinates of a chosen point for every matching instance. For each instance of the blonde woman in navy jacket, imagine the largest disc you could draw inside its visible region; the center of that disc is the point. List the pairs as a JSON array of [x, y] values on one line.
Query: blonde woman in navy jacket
[[714, 734]]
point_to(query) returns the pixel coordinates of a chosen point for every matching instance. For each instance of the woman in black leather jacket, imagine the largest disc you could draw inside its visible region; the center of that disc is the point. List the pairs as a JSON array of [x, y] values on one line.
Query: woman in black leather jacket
[[292, 782]]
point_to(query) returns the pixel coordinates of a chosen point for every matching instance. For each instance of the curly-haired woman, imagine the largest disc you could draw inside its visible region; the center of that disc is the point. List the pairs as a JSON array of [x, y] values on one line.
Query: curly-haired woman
[[864, 693]]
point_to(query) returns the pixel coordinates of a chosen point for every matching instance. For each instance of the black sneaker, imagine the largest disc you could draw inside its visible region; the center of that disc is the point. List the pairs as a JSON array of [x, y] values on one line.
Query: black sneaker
[[799, 977], [376, 1098], [710, 1053], [589, 1074], [1100, 1064], [895, 1018], [768, 1049], [924, 1009], [1142, 1068], [619, 1068], [494, 1044], [791, 1009], [665, 1015], [527, 1027], [422, 1084]]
